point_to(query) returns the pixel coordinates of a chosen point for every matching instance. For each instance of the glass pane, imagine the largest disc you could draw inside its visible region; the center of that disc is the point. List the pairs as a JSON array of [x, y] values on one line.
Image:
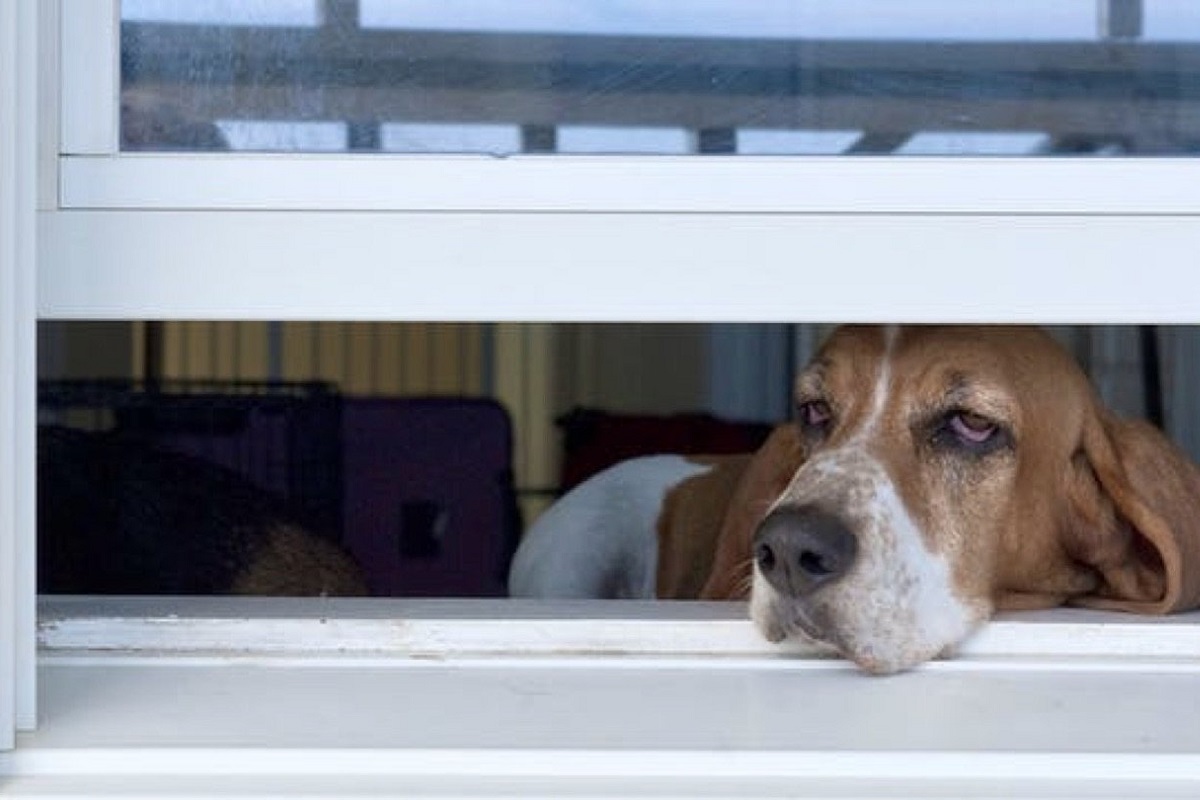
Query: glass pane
[[976, 77], [170, 450]]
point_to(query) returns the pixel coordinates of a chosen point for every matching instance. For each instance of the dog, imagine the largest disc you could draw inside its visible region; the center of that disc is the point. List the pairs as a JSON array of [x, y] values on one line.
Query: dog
[[932, 476], [117, 515]]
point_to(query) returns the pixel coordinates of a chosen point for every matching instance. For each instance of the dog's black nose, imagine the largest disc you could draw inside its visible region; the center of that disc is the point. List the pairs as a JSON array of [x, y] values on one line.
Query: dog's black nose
[[800, 548]]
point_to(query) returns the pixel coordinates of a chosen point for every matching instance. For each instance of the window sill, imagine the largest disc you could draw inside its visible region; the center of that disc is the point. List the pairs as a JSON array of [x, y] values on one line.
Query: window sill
[[510, 699]]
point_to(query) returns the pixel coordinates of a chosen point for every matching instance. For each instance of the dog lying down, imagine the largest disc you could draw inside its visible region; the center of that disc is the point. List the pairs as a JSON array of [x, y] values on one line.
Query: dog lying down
[[118, 516], [932, 476]]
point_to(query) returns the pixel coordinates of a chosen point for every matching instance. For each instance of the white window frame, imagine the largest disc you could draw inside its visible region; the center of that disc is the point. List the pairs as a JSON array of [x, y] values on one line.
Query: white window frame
[[595, 218], [643, 239], [18, 191]]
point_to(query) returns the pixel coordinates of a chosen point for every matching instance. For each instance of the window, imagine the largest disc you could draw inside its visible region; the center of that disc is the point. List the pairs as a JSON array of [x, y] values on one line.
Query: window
[[125, 235], [553, 76]]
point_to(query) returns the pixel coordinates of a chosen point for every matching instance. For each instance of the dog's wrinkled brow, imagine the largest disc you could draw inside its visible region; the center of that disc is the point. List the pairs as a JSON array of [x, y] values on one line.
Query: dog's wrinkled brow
[[812, 379], [976, 394]]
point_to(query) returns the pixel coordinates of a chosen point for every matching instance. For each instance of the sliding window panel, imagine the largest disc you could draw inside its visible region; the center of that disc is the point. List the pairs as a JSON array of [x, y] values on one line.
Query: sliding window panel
[[18, 165], [714, 76]]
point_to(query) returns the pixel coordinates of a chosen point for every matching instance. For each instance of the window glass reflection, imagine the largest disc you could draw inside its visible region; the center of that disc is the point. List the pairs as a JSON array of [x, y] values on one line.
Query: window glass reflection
[[828, 77]]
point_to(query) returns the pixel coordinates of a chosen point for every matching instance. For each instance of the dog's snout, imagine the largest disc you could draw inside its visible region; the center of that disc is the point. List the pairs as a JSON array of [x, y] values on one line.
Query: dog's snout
[[798, 549]]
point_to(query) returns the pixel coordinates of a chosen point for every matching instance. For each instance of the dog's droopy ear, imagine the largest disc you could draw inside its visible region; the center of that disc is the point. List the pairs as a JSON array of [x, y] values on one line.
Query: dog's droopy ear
[[1135, 508], [765, 478]]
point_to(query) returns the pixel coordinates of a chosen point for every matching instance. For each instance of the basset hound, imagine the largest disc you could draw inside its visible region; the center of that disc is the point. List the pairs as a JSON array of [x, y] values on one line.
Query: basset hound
[[932, 476]]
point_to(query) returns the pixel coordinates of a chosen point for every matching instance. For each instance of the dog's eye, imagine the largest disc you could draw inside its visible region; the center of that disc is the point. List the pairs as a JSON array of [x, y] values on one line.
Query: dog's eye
[[972, 429], [815, 414], [967, 433]]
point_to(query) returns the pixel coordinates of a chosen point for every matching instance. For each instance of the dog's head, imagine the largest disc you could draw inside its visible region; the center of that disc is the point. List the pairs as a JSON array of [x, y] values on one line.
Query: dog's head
[[935, 474]]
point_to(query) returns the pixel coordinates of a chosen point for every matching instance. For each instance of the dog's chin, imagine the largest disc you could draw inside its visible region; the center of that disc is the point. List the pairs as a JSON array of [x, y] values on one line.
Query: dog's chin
[[869, 654], [875, 652], [877, 660]]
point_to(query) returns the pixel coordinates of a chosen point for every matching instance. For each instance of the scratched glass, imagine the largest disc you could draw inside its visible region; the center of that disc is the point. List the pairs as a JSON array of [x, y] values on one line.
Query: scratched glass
[[973, 77]]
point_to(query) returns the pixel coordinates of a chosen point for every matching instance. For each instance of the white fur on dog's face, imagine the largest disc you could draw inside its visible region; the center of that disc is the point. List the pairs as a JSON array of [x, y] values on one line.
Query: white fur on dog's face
[[908, 596], [897, 606]]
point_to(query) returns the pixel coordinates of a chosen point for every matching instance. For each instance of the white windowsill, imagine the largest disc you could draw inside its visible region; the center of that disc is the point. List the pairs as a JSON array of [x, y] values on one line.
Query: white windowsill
[[199, 698], [447, 628]]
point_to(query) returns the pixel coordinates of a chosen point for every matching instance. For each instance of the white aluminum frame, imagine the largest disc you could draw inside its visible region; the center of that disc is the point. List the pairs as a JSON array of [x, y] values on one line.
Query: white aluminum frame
[[9, 260], [18, 180], [952, 186], [612, 237]]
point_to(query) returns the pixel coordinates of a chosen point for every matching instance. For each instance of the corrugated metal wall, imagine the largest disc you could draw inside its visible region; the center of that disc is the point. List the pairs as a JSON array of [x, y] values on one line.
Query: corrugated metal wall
[[363, 358]]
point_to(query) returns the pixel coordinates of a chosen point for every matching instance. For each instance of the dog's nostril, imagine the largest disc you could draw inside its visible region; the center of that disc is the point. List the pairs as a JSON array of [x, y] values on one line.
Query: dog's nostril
[[816, 564], [766, 557]]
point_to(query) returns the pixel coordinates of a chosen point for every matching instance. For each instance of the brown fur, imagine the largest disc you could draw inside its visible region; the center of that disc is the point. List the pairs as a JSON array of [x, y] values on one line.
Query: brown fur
[[763, 479], [1146, 547], [119, 516], [691, 524], [1085, 510], [294, 562]]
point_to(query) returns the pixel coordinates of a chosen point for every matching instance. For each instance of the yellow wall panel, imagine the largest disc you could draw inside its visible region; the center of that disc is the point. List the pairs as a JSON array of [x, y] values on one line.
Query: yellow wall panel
[[360, 368], [225, 354], [298, 357], [252, 359], [415, 359], [389, 348]]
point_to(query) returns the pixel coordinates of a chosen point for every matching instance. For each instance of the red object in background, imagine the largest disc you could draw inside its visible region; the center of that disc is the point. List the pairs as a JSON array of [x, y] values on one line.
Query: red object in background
[[594, 440]]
